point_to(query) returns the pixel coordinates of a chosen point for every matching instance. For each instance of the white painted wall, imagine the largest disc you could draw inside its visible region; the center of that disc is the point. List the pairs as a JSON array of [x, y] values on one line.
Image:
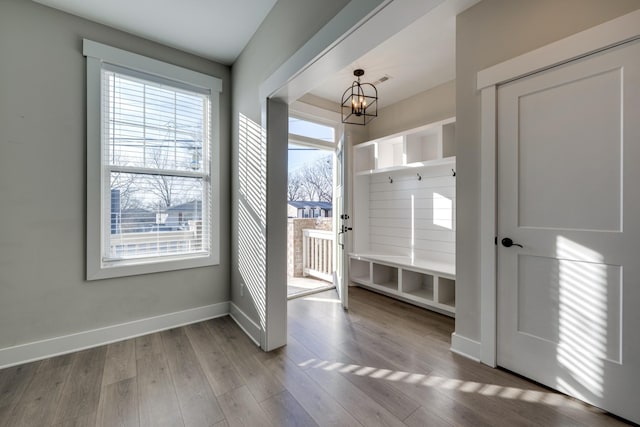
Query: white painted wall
[[489, 33], [412, 217], [43, 293]]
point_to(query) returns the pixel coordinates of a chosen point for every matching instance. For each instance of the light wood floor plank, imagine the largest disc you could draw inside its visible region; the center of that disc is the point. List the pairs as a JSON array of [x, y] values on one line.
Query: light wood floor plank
[[148, 345], [219, 370], [284, 410], [259, 380], [242, 410], [81, 393], [157, 400], [119, 404], [13, 382], [38, 404], [323, 408], [120, 363], [199, 405]]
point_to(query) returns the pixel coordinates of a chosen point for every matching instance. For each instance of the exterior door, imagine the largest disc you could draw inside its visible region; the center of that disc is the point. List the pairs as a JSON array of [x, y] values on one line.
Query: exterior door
[[569, 194], [341, 225]]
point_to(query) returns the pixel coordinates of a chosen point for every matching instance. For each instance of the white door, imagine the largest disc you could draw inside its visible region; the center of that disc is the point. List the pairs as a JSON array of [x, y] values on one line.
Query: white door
[[341, 224], [569, 193]]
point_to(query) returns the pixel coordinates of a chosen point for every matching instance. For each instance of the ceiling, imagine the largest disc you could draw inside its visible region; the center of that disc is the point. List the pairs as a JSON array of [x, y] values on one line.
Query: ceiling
[[418, 58], [214, 29]]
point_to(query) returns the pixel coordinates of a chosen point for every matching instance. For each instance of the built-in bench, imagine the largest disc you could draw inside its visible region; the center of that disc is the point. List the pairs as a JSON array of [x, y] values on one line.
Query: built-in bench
[[427, 283]]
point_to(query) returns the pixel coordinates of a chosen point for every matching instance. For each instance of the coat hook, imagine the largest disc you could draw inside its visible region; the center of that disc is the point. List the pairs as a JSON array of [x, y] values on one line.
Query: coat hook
[[390, 180], [419, 177], [454, 172]]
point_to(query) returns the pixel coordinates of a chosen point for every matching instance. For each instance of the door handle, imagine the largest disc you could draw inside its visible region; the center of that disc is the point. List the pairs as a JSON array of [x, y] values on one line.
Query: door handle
[[507, 243]]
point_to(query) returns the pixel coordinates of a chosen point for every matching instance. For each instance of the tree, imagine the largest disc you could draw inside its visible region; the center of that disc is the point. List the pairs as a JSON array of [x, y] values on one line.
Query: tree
[[295, 188], [313, 182]]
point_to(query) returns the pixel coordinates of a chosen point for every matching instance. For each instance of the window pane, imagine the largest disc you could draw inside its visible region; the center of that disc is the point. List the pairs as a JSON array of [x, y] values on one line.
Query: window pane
[[151, 126], [311, 129], [155, 215]]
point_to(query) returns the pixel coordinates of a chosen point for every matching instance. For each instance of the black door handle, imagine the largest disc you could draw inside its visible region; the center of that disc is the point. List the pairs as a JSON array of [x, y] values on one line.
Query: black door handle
[[507, 243]]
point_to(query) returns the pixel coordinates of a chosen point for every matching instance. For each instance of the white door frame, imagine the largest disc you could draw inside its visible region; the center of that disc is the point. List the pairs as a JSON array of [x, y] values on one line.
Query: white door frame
[[600, 37]]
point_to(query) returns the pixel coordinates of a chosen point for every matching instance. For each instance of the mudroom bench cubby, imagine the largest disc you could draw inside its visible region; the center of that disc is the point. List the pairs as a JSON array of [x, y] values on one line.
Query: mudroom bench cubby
[[427, 284], [404, 216]]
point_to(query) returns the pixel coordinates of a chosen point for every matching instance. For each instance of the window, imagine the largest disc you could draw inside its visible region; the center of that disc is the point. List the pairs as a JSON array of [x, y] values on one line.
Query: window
[[311, 129], [152, 175]]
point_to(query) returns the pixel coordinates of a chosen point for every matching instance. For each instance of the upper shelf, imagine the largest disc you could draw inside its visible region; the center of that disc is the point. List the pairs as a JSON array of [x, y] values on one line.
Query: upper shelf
[[447, 161], [430, 145]]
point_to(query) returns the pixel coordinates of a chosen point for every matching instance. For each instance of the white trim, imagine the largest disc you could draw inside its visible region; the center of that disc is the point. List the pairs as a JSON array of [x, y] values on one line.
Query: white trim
[[308, 111], [311, 142], [466, 347], [251, 328], [38, 350], [488, 230], [147, 65], [598, 38]]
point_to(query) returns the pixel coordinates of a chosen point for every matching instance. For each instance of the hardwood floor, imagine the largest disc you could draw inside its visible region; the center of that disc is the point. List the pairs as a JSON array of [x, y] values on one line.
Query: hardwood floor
[[381, 363]]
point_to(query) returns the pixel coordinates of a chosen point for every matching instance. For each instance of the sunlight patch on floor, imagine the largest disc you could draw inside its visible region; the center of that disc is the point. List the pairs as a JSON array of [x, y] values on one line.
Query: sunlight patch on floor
[[425, 380]]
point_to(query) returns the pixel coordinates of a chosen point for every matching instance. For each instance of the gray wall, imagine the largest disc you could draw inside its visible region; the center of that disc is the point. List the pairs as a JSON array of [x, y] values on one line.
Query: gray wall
[[489, 33], [43, 292], [285, 29]]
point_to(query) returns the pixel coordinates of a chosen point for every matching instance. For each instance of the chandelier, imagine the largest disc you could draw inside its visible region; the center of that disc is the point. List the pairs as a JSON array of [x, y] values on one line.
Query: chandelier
[[359, 102]]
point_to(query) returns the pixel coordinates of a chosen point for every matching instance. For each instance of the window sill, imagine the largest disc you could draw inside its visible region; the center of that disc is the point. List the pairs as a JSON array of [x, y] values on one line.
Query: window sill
[[134, 267]]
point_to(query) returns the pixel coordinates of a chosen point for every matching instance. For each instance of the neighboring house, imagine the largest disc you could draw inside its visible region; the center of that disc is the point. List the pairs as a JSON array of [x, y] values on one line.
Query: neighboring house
[[178, 216], [309, 209], [136, 220]]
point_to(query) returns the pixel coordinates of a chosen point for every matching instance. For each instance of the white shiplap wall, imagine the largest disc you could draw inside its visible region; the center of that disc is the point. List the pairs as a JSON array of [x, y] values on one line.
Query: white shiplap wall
[[411, 216]]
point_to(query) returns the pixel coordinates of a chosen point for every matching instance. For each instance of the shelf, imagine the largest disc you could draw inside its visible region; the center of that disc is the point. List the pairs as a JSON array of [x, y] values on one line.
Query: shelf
[[416, 147], [449, 161]]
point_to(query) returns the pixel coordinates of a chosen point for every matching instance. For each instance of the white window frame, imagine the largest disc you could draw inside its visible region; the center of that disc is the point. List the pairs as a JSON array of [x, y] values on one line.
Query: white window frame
[[98, 54]]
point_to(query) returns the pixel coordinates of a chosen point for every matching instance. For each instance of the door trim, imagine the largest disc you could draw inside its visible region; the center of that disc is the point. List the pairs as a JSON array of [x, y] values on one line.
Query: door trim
[[609, 34]]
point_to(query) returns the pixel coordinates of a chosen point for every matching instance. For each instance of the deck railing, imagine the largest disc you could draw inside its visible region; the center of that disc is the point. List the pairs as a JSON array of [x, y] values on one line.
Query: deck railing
[[158, 242], [317, 254]]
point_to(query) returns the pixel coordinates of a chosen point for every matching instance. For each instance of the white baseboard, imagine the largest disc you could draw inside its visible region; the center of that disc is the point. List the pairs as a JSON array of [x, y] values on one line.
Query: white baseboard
[[37, 350], [466, 347], [251, 328]]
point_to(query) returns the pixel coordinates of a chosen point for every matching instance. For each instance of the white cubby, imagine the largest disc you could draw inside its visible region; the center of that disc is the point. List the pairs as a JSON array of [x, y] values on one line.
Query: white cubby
[[417, 284], [447, 292], [385, 276], [359, 270], [365, 158], [424, 146]]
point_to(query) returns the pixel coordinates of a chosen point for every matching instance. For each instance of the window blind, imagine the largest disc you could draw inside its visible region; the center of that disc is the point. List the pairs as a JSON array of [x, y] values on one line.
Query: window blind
[[156, 167]]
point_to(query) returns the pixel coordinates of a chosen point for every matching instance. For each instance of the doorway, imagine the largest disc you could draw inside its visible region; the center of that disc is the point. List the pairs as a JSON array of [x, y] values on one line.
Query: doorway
[[310, 204]]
